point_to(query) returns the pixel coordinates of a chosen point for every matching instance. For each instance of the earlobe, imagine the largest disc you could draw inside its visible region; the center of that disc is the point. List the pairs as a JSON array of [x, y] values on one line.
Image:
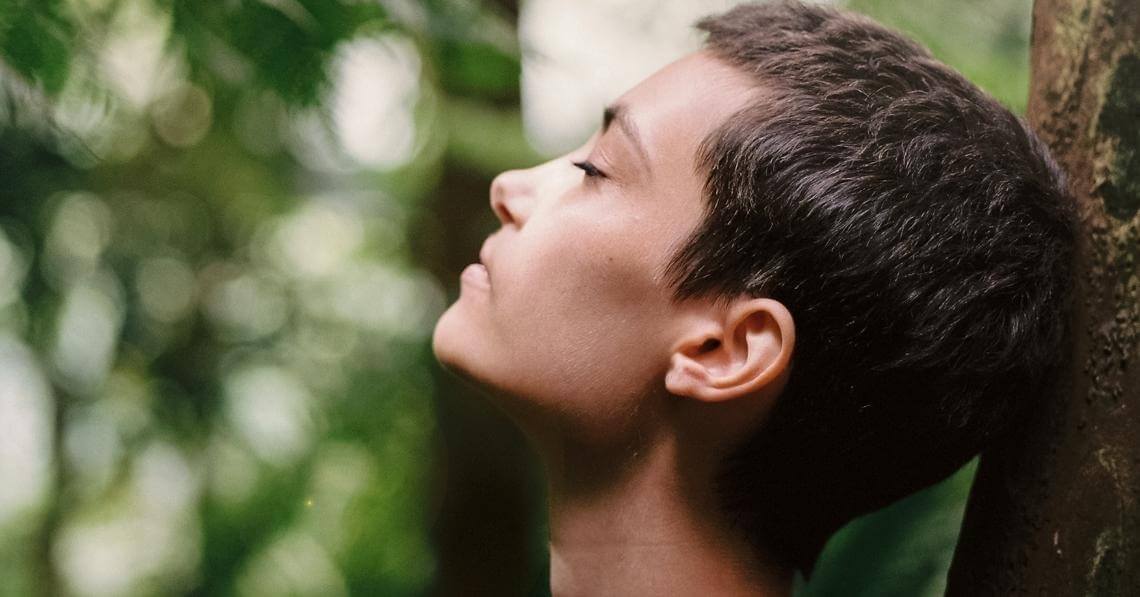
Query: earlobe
[[738, 351]]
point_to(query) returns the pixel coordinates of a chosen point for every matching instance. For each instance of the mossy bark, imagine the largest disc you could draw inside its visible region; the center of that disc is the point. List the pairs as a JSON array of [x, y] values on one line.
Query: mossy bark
[[1056, 509]]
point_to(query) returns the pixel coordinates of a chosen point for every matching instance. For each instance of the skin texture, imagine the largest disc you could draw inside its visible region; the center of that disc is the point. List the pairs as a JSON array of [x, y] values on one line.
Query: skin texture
[[630, 398]]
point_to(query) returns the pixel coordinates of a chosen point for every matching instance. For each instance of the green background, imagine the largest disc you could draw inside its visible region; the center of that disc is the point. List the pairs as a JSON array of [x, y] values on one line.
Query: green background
[[215, 371]]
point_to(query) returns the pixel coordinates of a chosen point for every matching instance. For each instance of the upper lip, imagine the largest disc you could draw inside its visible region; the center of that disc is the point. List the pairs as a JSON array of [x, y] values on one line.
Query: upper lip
[[484, 255]]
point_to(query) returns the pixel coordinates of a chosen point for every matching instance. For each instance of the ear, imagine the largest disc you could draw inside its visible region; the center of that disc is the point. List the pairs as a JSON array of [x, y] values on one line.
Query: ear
[[733, 352]]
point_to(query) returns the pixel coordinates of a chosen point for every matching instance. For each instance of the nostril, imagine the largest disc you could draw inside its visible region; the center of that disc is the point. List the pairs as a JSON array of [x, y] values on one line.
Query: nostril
[[500, 199], [501, 212]]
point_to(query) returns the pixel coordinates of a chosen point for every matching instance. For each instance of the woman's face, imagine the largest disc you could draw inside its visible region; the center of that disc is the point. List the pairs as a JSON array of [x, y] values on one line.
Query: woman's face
[[569, 320]]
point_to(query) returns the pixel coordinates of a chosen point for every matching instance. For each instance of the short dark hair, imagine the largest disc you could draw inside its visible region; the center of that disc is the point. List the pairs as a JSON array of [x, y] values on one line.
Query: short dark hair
[[922, 238]]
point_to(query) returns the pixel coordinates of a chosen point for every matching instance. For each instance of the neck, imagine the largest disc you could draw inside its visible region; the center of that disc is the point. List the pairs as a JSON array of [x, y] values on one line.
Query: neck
[[638, 526]]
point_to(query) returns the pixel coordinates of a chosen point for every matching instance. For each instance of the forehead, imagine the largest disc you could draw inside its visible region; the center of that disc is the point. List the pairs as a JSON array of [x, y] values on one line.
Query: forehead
[[676, 107]]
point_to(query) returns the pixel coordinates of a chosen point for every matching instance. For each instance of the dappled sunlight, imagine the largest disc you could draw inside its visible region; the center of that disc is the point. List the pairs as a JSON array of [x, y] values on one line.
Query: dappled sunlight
[[244, 305], [80, 232], [25, 432], [369, 120], [93, 448], [374, 94], [295, 563], [143, 536], [87, 332], [271, 411], [183, 115], [133, 58], [220, 273], [317, 240], [166, 288]]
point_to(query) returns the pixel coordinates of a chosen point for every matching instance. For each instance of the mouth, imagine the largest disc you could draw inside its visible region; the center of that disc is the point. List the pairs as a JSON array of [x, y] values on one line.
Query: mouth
[[477, 274], [484, 255]]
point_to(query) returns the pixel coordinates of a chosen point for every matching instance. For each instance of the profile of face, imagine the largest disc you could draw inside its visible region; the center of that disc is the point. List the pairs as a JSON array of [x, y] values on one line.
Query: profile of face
[[568, 320]]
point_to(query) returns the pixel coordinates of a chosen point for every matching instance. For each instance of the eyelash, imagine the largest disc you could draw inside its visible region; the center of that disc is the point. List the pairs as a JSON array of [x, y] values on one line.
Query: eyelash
[[590, 169]]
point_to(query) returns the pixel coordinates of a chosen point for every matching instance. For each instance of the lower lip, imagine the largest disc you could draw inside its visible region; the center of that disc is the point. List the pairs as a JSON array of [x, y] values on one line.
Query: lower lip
[[476, 275]]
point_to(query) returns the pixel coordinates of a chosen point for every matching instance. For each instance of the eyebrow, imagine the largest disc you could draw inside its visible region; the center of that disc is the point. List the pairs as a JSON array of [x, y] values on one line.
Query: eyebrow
[[619, 113]]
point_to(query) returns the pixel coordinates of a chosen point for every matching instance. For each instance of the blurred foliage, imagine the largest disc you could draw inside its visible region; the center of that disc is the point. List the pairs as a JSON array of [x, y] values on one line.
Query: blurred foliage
[[212, 322], [36, 39], [285, 45], [225, 231]]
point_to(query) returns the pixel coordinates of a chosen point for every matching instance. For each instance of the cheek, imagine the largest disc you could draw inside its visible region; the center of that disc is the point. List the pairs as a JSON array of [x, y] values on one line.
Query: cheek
[[589, 267], [588, 297]]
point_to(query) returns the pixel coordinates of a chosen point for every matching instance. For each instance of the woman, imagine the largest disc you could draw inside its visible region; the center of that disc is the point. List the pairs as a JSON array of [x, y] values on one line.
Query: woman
[[795, 276]]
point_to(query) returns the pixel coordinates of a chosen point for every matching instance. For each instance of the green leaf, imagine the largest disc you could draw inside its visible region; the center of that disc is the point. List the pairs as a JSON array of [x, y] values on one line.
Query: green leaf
[[36, 41], [284, 45]]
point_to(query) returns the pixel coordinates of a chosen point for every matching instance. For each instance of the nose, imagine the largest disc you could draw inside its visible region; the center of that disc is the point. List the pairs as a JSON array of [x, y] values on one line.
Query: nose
[[512, 197]]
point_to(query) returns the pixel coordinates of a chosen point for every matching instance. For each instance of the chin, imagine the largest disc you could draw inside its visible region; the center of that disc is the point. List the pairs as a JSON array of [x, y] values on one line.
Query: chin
[[454, 344], [446, 339]]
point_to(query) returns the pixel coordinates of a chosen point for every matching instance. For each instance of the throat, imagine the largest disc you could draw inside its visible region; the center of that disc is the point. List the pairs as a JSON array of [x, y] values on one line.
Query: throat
[[648, 529]]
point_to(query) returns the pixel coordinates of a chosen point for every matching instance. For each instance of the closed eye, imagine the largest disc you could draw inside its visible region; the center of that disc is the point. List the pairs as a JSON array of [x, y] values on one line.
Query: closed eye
[[590, 169]]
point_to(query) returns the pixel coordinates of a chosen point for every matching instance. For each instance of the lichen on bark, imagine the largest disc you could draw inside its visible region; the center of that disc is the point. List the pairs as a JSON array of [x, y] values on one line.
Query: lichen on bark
[[1116, 255], [1117, 171]]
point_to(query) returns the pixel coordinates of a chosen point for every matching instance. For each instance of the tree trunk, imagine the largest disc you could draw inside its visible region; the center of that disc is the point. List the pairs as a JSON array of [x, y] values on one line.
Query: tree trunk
[[1056, 509]]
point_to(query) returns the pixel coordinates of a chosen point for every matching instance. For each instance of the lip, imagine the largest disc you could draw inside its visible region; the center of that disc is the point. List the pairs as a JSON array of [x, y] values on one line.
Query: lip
[[484, 256], [476, 275]]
